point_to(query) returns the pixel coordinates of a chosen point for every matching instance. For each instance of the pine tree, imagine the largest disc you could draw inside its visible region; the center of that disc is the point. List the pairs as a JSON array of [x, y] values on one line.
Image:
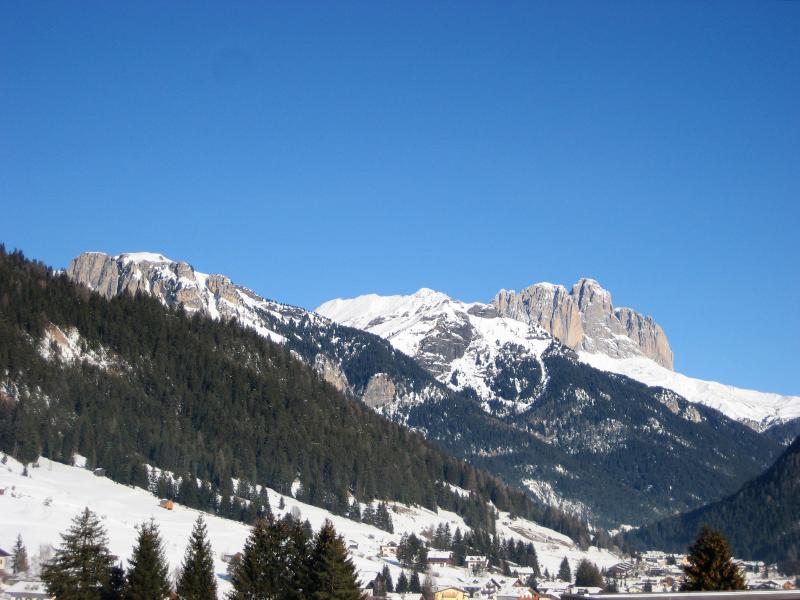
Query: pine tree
[[261, 572], [387, 577], [402, 583], [81, 568], [564, 572], [197, 580], [116, 584], [414, 585], [588, 575], [148, 570], [333, 576], [710, 566], [19, 556]]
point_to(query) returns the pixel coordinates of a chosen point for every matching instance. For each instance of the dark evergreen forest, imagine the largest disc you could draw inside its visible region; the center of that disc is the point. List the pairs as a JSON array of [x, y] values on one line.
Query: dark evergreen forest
[[760, 520]]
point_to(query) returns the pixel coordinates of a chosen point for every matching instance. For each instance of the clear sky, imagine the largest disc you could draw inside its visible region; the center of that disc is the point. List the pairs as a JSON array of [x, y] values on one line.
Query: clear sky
[[321, 150]]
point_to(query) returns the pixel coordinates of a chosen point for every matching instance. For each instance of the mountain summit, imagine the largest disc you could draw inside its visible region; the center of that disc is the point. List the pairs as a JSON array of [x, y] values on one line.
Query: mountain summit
[[584, 319]]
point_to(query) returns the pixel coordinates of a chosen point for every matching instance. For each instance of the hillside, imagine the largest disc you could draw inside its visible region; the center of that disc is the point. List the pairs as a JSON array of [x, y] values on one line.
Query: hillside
[[41, 506], [127, 381], [760, 520]]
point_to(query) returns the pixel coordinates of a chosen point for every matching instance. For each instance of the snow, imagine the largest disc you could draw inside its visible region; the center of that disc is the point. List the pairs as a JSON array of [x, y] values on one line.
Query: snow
[[408, 322], [137, 257], [759, 410], [41, 506]]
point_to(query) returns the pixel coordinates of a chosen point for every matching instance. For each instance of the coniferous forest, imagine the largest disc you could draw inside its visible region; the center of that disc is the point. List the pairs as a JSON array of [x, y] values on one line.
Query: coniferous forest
[[208, 400]]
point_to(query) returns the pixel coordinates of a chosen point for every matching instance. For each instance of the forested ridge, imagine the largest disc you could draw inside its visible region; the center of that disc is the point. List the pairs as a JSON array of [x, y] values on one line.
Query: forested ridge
[[760, 520], [211, 400]]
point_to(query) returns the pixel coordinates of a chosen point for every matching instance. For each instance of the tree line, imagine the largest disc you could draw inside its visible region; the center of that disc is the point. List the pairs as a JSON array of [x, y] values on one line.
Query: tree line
[[281, 560]]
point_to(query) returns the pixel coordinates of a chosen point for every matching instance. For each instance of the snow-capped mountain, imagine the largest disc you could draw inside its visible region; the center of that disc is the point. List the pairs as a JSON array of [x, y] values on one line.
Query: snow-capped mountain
[[451, 338], [498, 391], [467, 346]]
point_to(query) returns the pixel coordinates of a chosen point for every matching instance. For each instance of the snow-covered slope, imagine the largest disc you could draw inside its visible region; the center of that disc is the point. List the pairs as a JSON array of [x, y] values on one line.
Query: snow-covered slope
[[461, 343], [41, 506], [464, 345], [759, 410]]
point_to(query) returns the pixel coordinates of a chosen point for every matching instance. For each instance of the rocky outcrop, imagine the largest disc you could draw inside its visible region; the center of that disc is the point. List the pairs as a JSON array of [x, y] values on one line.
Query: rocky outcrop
[[330, 372], [584, 318], [549, 306], [380, 391]]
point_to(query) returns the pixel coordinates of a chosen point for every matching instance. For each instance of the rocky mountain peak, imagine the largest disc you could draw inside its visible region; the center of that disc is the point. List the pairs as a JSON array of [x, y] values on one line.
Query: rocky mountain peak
[[584, 318]]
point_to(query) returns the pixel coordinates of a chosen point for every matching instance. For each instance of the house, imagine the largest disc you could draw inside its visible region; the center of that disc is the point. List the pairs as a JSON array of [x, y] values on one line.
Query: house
[[516, 593], [388, 550], [29, 590], [522, 572], [450, 593], [168, 504], [227, 557], [5, 560], [621, 570], [440, 557], [476, 564]]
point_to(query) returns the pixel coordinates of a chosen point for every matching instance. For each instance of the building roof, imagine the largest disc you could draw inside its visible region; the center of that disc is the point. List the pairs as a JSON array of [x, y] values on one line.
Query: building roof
[[29, 589], [4, 553], [439, 555]]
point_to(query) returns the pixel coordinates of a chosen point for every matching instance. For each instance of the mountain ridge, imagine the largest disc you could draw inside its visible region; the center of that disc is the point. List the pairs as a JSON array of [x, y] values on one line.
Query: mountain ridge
[[516, 423]]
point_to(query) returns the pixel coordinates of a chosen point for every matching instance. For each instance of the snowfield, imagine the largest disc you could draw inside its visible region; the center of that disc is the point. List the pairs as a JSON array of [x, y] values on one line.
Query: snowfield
[[41, 506], [759, 410]]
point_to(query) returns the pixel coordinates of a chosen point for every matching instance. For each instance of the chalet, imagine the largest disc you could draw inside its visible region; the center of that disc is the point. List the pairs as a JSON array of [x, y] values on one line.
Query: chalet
[[440, 558], [476, 564], [168, 504], [29, 590], [450, 593], [516, 593], [522, 572], [388, 550], [5, 560], [227, 557]]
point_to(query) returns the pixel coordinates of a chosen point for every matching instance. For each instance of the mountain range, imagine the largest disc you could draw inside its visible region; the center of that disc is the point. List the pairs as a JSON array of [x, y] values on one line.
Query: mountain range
[[505, 385]]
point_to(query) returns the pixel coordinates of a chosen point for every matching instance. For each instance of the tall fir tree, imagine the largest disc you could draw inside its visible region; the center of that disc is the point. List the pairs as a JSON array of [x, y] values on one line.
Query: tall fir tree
[[414, 586], [81, 567], [148, 570], [588, 575], [387, 577], [402, 583], [19, 556], [333, 576], [564, 571], [116, 584], [197, 580], [271, 565], [710, 566]]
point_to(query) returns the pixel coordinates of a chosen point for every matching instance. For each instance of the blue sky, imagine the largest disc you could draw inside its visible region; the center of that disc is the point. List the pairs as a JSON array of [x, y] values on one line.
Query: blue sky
[[319, 150]]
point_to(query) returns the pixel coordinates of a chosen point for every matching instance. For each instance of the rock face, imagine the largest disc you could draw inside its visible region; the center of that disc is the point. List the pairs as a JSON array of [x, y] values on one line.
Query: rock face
[[585, 319], [380, 391], [330, 372]]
